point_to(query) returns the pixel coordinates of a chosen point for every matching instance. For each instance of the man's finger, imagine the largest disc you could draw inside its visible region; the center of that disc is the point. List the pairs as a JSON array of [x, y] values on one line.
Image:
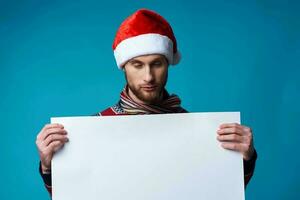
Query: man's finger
[[229, 125], [54, 137], [55, 146], [53, 125], [234, 146], [47, 126], [232, 130], [230, 138], [50, 131]]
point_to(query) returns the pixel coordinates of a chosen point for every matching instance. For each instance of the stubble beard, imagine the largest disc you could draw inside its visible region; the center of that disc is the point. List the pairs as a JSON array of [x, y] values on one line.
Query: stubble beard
[[153, 97]]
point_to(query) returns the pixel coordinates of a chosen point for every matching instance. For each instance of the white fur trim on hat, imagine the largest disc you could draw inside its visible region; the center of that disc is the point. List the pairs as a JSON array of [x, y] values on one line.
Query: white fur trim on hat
[[145, 44]]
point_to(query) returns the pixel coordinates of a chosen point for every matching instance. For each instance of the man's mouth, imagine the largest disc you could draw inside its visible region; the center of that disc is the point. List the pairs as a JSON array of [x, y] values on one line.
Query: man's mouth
[[149, 88]]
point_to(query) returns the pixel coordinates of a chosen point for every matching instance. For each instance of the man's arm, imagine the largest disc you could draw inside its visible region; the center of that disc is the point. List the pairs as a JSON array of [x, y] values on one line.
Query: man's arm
[[249, 166], [239, 138], [47, 179], [49, 140]]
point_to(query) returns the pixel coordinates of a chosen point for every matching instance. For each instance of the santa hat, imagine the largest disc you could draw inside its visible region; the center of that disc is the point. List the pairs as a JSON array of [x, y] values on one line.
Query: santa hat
[[145, 32]]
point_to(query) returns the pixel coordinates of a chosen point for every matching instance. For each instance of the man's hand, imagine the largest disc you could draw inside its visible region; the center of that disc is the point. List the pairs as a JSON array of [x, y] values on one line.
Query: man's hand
[[51, 138], [237, 137]]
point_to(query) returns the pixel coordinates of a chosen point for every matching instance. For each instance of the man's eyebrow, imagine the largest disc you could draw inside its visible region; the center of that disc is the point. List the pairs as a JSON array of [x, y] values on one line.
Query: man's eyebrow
[[134, 61], [157, 59]]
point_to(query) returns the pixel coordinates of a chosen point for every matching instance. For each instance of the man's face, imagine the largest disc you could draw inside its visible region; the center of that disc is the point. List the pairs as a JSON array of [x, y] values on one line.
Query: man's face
[[146, 78]]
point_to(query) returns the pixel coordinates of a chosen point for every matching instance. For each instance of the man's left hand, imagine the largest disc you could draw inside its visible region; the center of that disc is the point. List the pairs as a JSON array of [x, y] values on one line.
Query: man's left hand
[[234, 136]]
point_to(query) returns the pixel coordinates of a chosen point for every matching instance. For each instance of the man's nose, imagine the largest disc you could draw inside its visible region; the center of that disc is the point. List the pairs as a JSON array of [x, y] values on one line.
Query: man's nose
[[148, 74]]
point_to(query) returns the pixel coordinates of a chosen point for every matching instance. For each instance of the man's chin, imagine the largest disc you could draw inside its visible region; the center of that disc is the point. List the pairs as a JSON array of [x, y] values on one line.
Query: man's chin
[[149, 97]]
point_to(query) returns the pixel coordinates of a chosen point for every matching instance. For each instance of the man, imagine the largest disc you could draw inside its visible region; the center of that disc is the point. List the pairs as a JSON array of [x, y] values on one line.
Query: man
[[144, 47]]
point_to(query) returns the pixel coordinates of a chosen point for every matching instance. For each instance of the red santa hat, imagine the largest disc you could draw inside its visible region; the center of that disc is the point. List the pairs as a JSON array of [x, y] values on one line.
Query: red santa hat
[[145, 32]]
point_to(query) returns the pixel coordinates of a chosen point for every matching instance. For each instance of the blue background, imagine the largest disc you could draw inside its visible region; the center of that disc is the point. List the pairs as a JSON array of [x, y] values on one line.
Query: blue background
[[56, 60]]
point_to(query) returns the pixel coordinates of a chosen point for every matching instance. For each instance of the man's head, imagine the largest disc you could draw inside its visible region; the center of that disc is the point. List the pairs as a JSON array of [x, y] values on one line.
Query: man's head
[[146, 78], [144, 47]]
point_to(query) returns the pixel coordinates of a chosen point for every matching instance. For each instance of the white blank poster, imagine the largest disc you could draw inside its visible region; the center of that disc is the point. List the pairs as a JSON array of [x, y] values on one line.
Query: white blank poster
[[147, 157]]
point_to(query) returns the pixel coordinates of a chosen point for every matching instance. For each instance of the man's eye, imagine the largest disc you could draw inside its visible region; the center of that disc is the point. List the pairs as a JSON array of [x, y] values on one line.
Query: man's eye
[[157, 63], [138, 66]]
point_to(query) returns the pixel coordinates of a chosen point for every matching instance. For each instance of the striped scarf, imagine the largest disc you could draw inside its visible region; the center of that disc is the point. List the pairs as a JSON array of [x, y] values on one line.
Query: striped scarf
[[170, 104]]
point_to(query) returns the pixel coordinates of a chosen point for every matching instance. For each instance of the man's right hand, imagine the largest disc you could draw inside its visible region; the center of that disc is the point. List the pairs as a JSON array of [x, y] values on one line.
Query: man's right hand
[[50, 139]]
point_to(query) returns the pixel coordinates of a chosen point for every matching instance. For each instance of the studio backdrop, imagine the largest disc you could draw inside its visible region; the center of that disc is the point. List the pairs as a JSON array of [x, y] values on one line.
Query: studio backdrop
[[56, 59]]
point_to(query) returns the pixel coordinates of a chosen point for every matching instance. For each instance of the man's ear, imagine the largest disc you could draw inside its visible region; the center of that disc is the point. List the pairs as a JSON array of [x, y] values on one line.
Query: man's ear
[[123, 67], [167, 61]]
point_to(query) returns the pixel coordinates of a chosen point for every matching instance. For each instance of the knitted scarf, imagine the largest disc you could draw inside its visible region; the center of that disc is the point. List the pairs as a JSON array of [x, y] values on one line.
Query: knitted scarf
[[170, 104]]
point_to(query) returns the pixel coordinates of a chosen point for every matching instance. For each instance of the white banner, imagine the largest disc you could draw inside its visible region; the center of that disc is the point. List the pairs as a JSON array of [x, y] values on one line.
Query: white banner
[[147, 157]]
